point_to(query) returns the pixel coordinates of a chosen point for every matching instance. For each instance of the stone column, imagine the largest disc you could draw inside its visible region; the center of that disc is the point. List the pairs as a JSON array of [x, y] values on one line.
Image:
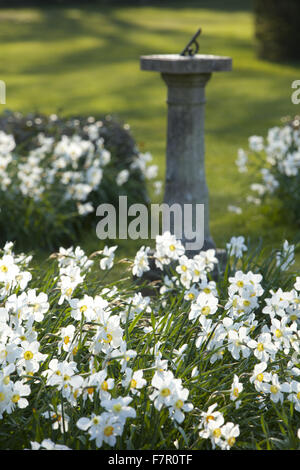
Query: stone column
[[185, 181], [186, 78]]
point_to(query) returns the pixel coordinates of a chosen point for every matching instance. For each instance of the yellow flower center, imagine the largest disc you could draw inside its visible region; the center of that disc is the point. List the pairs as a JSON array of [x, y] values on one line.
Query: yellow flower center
[[28, 355], [207, 290], [165, 392], [260, 347], [15, 398], [133, 383], [117, 407], [66, 339], [217, 432], [274, 389], [90, 390], [191, 295], [260, 377], [69, 292], [236, 392], [278, 333], [179, 404], [109, 338], [2, 396], [184, 268], [247, 303], [104, 386], [293, 317], [95, 420], [83, 308], [231, 441], [205, 310], [108, 430], [240, 284], [196, 272], [66, 377], [209, 417], [4, 268]]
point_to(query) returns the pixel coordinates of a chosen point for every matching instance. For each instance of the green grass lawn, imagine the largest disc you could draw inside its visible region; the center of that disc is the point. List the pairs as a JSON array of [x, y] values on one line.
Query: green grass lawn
[[85, 60]]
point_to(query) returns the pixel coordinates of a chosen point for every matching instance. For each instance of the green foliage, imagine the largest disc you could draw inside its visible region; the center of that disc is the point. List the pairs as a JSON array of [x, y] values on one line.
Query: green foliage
[[155, 329], [47, 215]]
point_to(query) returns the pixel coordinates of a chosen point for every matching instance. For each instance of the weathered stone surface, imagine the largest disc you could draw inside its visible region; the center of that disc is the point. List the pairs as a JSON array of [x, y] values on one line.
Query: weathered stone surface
[[186, 78], [185, 172], [175, 63]]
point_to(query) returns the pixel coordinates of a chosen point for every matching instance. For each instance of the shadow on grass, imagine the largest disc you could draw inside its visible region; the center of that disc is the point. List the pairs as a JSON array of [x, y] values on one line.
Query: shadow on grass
[[239, 103], [221, 5]]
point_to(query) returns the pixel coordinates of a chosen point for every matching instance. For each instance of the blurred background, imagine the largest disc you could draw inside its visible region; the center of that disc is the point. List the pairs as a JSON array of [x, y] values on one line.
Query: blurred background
[[82, 58]]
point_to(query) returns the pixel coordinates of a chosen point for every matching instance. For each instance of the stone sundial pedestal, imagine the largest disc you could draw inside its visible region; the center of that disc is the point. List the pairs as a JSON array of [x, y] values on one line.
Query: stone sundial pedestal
[[186, 78]]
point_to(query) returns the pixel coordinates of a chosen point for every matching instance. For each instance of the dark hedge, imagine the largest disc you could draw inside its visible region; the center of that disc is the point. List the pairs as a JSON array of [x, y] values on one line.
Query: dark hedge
[[277, 29]]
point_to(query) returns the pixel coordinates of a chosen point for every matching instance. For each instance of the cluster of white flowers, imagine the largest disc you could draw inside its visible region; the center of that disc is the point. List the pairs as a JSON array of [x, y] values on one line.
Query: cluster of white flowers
[[239, 331], [168, 250], [109, 424], [105, 339], [213, 427], [169, 392], [281, 150], [111, 350], [74, 164], [20, 354]]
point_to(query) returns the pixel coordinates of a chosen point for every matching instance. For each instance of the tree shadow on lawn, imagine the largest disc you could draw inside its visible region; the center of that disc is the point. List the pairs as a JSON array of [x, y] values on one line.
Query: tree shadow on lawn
[[247, 102], [114, 45], [54, 24], [110, 48], [231, 110], [221, 5]]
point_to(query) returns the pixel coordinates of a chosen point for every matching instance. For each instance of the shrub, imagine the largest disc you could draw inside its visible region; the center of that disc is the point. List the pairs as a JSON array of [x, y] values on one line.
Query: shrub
[[277, 29], [276, 160], [56, 171], [202, 364]]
